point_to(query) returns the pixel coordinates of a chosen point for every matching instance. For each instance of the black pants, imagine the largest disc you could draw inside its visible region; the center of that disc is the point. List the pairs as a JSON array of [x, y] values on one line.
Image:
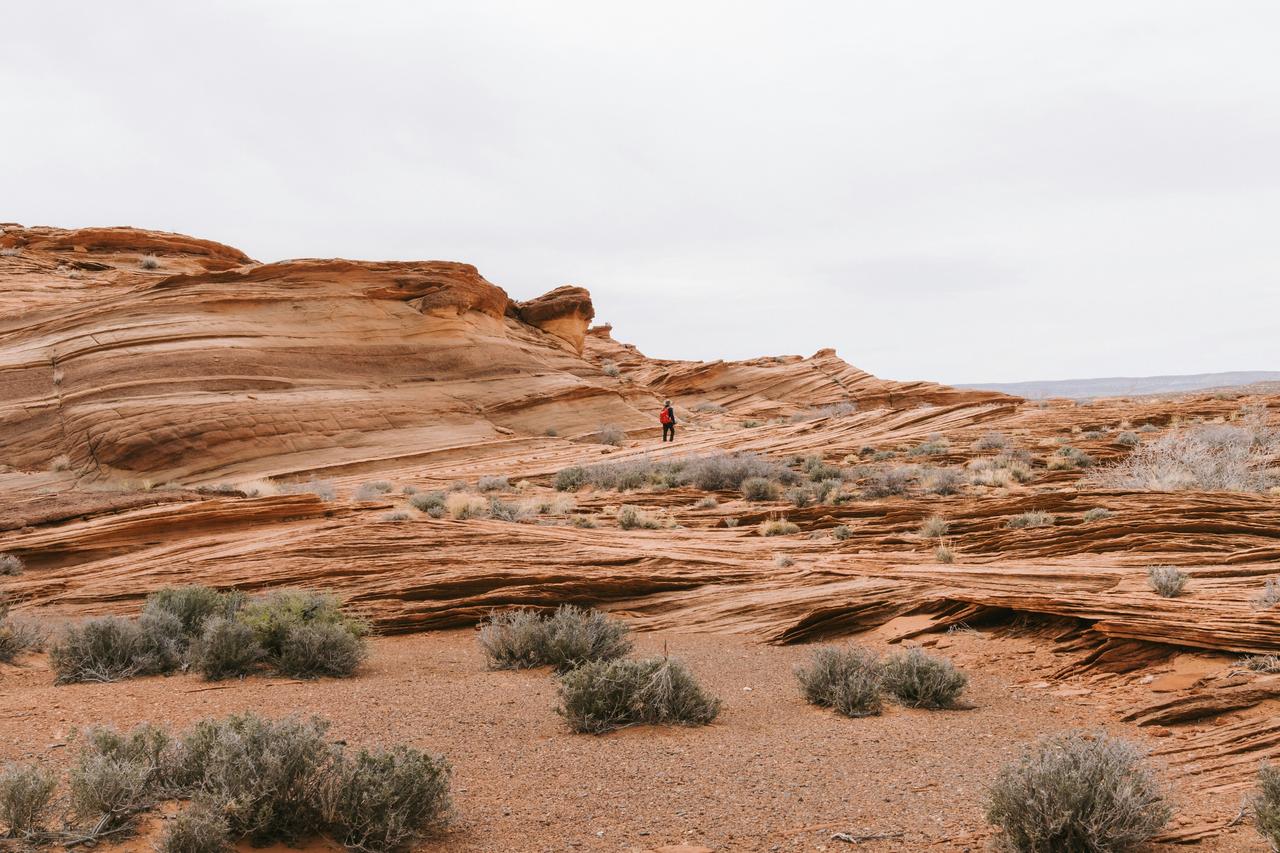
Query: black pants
[[669, 430]]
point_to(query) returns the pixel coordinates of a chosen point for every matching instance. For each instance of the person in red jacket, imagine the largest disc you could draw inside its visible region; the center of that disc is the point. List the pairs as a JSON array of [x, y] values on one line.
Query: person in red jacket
[[668, 420]]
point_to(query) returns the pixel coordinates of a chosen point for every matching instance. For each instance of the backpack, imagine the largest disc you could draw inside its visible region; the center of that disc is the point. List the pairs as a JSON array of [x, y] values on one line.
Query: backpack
[[664, 417]]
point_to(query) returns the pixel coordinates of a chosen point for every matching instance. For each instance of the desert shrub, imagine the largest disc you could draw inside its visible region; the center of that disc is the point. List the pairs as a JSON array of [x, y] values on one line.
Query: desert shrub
[[571, 479], [507, 511], [518, 639], [609, 368], [199, 828], [944, 554], [1167, 580], [709, 408], [587, 522], [11, 564], [1093, 434], [1266, 805], [278, 615], [721, 471], [372, 491], [265, 775], [493, 484], [323, 489], [462, 506], [782, 561], [731, 522], [800, 496], [759, 489], [942, 481], [841, 532], [991, 441], [632, 517], [321, 650], [226, 648], [1076, 792], [1098, 513], [707, 503], [551, 432], [611, 434], [778, 527], [1034, 518], [848, 680], [427, 501], [116, 775], [933, 527], [919, 680], [1269, 664], [751, 423], [384, 800], [111, 648], [1128, 438], [192, 605], [889, 482], [396, 515], [936, 445], [822, 471], [603, 695], [26, 792], [1214, 457], [1270, 594], [17, 636], [149, 262], [61, 462]]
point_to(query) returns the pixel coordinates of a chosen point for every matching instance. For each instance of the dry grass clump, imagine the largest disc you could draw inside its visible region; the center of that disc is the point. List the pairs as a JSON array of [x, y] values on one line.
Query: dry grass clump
[[61, 462], [611, 434], [783, 561], [149, 262], [323, 489], [428, 501], [1077, 792], [1167, 580], [936, 445], [600, 696], [1265, 805], [609, 368], [849, 680], [706, 407], [372, 491], [707, 503], [17, 636], [1212, 457], [111, 648], [944, 554], [1128, 438], [506, 511], [841, 532], [1270, 595], [890, 482], [26, 793], [519, 639], [1068, 459], [992, 441], [493, 484], [1098, 513], [1269, 664], [11, 564], [778, 527], [1034, 518], [396, 515], [933, 527], [199, 828], [586, 522], [759, 489], [633, 517], [919, 680], [462, 506]]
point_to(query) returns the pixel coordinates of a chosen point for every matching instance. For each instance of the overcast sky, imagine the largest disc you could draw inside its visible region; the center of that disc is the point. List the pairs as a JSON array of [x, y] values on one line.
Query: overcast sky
[[960, 191]]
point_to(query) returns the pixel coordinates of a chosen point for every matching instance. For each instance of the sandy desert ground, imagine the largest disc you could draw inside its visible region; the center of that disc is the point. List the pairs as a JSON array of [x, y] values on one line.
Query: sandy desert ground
[[173, 412]]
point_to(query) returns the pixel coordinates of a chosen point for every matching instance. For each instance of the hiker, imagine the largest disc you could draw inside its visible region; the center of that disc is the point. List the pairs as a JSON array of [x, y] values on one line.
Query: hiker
[[668, 420]]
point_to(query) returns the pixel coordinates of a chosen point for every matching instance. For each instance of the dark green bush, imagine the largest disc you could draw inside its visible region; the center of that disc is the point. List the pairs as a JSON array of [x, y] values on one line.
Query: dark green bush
[[600, 696], [275, 615]]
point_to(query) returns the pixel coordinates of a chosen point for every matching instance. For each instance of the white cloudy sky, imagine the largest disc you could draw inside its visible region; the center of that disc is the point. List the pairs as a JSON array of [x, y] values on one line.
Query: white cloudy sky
[[961, 191]]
